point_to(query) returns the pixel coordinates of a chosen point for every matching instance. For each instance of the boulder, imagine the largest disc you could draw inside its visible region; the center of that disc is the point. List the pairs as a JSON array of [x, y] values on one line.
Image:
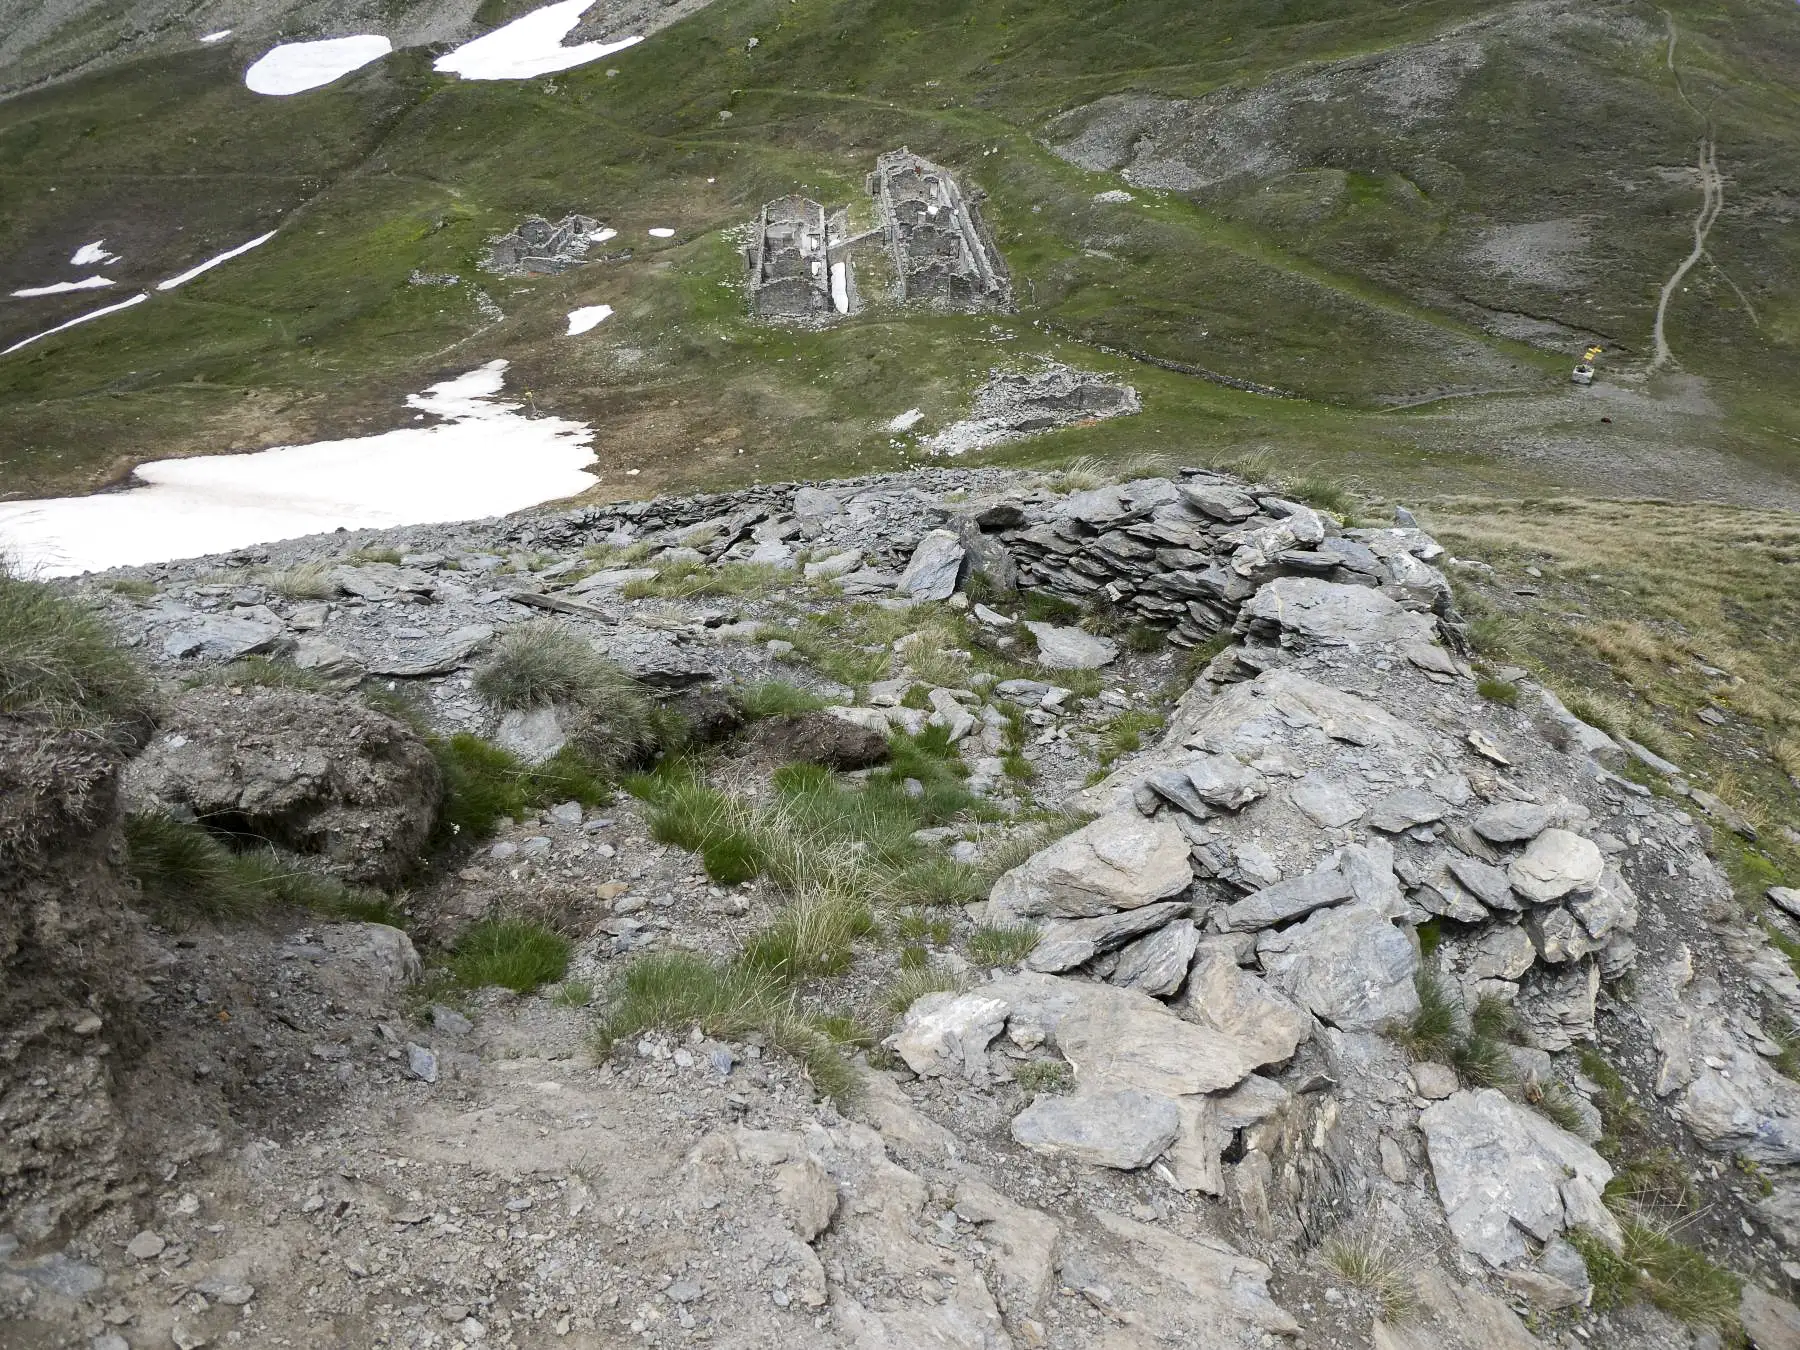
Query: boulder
[[1330, 612], [824, 737], [1119, 1038], [1502, 1171], [1122, 1128], [222, 637], [1405, 809], [1350, 966], [1328, 804], [1120, 861], [1158, 963], [533, 734], [816, 503], [935, 568], [317, 774], [1293, 898], [1512, 822], [1224, 997], [336, 667], [1556, 863], [1771, 1323], [948, 1034], [1074, 942], [1486, 883], [434, 656], [1063, 648]]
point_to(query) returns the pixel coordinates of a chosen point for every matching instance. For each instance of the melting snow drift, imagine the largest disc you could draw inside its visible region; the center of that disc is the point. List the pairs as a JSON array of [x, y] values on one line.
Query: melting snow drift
[[588, 316], [483, 460], [295, 67], [91, 255], [137, 299], [60, 287], [219, 36], [213, 262], [661, 232], [529, 46]]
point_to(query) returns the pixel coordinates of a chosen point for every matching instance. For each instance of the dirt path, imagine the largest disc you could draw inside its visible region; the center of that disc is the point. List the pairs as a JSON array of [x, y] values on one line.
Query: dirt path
[[1712, 202]]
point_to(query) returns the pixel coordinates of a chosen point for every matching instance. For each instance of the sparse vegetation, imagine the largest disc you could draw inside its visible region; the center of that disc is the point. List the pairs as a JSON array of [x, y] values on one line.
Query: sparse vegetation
[[1656, 1265], [1471, 1042], [1364, 1260], [692, 581], [775, 698], [59, 662], [912, 985], [543, 664], [1043, 1077], [1002, 946], [514, 954], [482, 783], [1123, 734], [307, 581], [1498, 691]]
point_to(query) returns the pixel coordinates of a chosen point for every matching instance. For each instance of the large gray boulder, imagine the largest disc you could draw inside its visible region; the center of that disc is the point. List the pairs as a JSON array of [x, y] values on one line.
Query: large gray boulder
[[1072, 942], [1063, 648], [315, 774], [1556, 863], [1329, 612], [1504, 1172], [1121, 1128], [1232, 1001], [935, 568], [1120, 861], [1350, 966]]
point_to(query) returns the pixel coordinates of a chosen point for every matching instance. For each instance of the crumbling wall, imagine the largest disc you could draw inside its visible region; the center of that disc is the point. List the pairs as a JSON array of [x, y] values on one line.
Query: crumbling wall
[[942, 250], [539, 246], [790, 273]]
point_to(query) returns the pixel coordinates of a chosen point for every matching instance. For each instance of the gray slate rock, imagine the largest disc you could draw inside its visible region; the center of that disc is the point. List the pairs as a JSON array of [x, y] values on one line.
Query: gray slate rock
[[1063, 648], [1076, 941], [1349, 965], [1512, 822], [1224, 997], [534, 734], [1487, 884], [1557, 862], [1290, 899], [1158, 962], [1123, 1128], [222, 637], [1326, 803], [437, 657], [1120, 861], [1329, 612], [1405, 809], [935, 568]]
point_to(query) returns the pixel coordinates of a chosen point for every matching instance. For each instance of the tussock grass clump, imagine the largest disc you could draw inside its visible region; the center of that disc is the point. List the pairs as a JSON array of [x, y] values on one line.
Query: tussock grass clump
[[514, 954], [775, 698], [1363, 1259], [1002, 946], [1498, 691], [308, 581], [187, 872], [364, 556], [540, 664], [1656, 1265], [691, 580], [1124, 733], [59, 662], [911, 985], [482, 782], [1473, 1043], [727, 1000], [262, 673], [1043, 1077]]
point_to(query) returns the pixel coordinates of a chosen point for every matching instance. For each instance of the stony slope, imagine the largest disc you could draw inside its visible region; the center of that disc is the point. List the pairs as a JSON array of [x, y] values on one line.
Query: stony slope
[[1171, 1119]]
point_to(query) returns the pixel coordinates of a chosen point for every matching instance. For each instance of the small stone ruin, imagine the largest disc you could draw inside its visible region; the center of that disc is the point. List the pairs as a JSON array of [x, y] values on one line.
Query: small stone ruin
[[801, 258], [537, 246], [941, 248]]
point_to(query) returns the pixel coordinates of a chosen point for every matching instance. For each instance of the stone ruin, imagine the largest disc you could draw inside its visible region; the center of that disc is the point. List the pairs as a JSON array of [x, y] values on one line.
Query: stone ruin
[[790, 261], [538, 246], [942, 251], [800, 259]]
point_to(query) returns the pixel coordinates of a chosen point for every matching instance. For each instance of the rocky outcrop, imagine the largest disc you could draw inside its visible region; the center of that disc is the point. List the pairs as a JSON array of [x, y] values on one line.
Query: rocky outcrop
[[318, 775]]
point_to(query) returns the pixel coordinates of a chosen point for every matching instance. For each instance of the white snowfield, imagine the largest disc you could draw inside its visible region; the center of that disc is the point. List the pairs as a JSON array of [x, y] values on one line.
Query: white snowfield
[[137, 299], [661, 232], [63, 287], [295, 67], [601, 235], [213, 262], [529, 46], [588, 317], [483, 460], [93, 255]]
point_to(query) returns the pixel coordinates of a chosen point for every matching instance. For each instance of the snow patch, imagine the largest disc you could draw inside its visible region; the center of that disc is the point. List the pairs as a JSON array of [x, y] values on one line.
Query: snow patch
[[295, 67], [840, 288], [601, 235], [93, 255], [60, 287], [587, 317], [662, 232], [220, 36], [907, 420], [137, 299], [213, 262], [482, 460], [1114, 195], [529, 46]]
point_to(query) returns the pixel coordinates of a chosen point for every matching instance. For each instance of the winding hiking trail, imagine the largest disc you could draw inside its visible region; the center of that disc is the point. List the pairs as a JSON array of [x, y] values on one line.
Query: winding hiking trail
[[1712, 202]]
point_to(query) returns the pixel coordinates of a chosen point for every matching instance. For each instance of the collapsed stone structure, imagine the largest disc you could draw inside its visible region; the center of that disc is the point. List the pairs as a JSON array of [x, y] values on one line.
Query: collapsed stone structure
[[539, 246], [941, 251]]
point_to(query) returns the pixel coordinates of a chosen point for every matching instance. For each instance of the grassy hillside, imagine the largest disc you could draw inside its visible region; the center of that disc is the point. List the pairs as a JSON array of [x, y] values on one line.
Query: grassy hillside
[[1344, 278]]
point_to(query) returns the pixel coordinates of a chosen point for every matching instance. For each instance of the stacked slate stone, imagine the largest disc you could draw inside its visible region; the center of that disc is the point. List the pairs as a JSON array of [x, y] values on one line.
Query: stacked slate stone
[[1186, 555]]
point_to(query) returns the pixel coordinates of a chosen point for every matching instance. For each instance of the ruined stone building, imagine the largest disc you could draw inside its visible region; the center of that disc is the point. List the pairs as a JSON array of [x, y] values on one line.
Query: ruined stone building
[[790, 260], [941, 248], [539, 246], [801, 255]]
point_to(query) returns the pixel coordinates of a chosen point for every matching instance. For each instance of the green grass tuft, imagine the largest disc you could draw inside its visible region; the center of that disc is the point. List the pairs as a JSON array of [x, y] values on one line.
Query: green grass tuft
[[58, 661], [514, 954], [776, 698], [540, 664], [1657, 1266], [1002, 946], [1363, 1259], [482, 783], [1498, 691], [1043, 1077]]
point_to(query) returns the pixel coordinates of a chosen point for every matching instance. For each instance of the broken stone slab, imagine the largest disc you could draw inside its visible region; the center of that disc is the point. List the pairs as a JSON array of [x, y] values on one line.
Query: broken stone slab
[[1785, 898], [1122, 1038], [1024, 1242], [1220, 501], [558, 604], [1771, 1323], [1610, 907], [1331, 613], [1512, 822], [1487, 884], [1122, 1128], [1063, 648], [612, 579], [1557, 862], [1501, 1172], [1120, 861], [1328, 804], [1405, 810], [807, 1195], [1074, 942], [1286, 900], [336, 666], [435, 657], [1503, 951], [1576, 736], [533, 734], [1428, 656], [1349, 965], [1556, 1008], [1228, 999], [1440, 894], [1157, 963], [816, 503], [221, 637], [1453, 1317], [1211, 1294], [947, 1034], [935, 568], [1559, 936]]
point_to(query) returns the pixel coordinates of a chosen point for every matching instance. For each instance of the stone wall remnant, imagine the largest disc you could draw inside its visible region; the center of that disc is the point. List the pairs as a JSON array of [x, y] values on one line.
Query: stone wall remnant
[[790, 271], [539, 246], [943, 253]]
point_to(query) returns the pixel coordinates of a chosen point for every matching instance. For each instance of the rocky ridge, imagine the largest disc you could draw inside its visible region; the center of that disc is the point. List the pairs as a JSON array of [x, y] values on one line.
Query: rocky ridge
[[1226, 957]]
